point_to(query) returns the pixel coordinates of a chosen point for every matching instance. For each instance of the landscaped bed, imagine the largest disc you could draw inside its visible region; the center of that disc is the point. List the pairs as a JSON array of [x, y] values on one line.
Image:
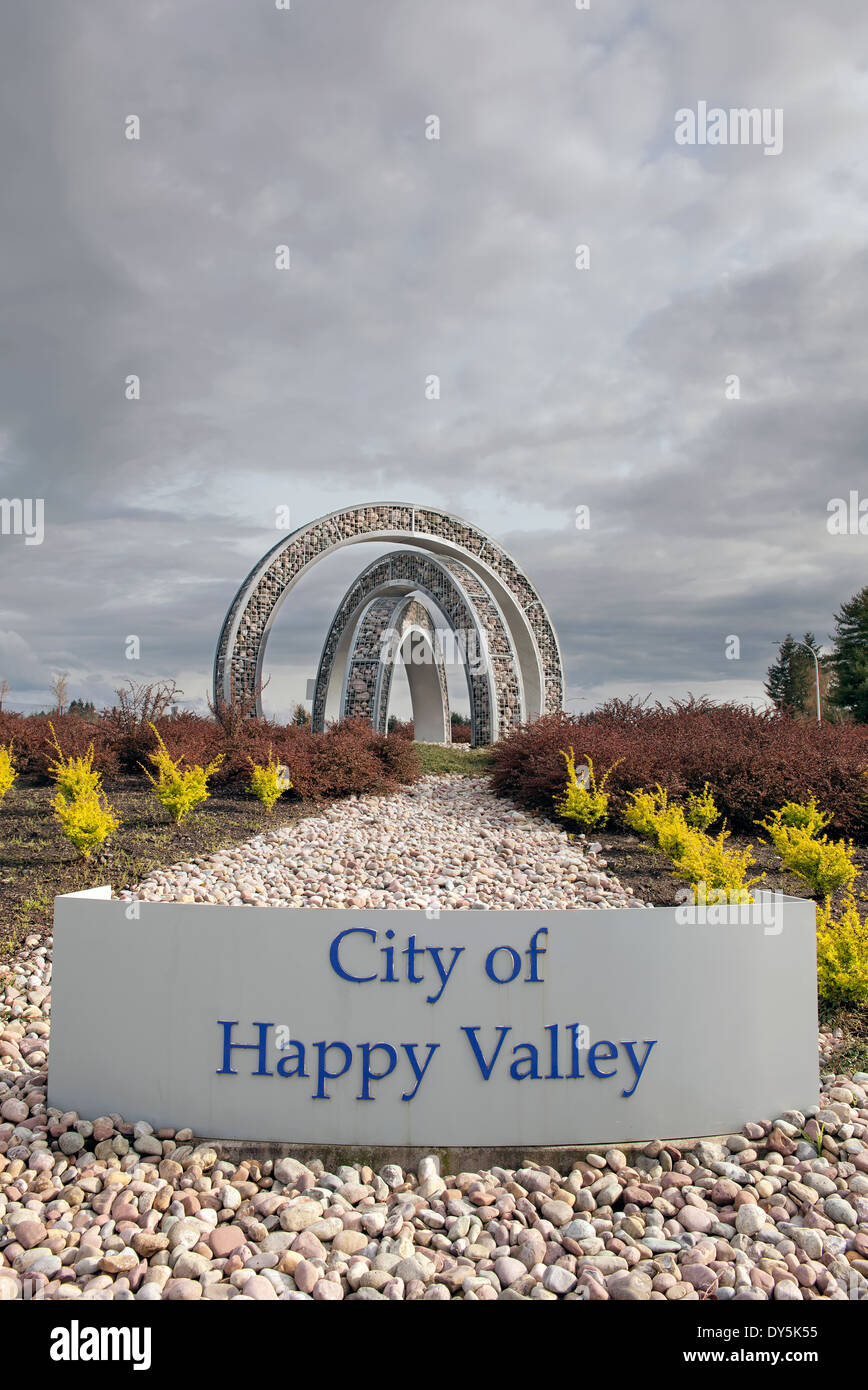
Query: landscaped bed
[[779, 1210], [37, 863], [752, 763]]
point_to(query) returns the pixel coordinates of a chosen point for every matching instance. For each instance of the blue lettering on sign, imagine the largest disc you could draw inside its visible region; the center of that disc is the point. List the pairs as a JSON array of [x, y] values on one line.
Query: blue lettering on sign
[[367, 1066], [261, 1048], [368, 1073], [416, 958], [638, 1069], [485, 1067], [418, 1072], [525, 1064], [322, 1072], [611, 1052], [534, 951], [506, 979], [377, 1061], [335, 957]]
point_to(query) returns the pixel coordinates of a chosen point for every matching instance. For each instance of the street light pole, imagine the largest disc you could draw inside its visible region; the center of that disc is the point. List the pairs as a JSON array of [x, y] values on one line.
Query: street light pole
[[816, 673]]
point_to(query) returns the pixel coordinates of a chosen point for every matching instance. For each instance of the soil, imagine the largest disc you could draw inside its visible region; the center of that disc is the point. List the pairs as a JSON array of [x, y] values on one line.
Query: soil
[[36, 862], [649, 873]]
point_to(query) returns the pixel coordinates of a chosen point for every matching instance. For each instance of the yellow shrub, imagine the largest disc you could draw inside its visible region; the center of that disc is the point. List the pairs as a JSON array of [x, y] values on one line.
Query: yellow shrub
[[842, 956], [178, 789], [701, 812], [703, 860], [269, 782], [73, 777], [86, 820], [825, 865], [588, 805], [673, 833], [644, 813], [708, 865], [664, 825], [7, 770], [795, 815]]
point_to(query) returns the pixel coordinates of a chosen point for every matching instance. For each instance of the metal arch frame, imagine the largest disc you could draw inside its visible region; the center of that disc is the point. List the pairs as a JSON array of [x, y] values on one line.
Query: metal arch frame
[[384, 626], [241, 647], [495, 689]]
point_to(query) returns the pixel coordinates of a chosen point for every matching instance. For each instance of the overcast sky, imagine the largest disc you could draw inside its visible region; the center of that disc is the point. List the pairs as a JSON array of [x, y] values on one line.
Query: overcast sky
[[604, 387]]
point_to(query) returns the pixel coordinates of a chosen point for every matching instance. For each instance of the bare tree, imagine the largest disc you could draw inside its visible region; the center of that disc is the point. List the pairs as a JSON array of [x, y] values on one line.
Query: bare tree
[[59, 688], [139, 704], [142, 703]]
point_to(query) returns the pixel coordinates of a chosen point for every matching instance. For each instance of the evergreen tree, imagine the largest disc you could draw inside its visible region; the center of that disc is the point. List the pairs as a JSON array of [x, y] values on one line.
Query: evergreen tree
[[84, 708], [849, 659], [790, 680]]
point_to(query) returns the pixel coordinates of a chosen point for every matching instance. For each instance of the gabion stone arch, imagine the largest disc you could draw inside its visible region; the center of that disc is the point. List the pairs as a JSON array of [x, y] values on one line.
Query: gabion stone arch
[[483, 641], [383, 630], [241, 647]]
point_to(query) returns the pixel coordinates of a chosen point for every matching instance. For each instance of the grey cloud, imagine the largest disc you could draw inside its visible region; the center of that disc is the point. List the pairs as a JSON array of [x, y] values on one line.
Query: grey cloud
[[412, 257]]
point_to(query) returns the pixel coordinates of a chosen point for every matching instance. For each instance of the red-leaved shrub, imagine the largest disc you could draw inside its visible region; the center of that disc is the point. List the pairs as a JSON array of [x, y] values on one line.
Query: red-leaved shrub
[[348, 758], [187, 735], [33, 747], [752, 761]]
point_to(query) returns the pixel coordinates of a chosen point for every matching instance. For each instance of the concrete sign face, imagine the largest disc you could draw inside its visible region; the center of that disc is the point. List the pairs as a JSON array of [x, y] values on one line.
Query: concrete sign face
[[378, 1026]]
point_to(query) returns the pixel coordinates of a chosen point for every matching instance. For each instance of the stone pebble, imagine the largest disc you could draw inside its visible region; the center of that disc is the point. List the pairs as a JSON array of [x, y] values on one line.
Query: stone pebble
[[445, 843], [105, 1209]]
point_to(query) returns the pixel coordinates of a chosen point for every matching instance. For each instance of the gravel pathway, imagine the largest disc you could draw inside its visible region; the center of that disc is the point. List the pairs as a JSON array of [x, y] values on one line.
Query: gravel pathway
[[103, 1209], [447, 841]]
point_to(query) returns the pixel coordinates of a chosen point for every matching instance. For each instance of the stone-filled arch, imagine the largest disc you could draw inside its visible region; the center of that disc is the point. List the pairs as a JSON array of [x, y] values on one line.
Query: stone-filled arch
[[483, 642], [241, 647], [386, 625]]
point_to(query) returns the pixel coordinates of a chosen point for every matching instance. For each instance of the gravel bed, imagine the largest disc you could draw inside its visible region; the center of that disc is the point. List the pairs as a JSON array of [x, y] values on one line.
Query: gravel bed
[[103, 1209], [448, 841]]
